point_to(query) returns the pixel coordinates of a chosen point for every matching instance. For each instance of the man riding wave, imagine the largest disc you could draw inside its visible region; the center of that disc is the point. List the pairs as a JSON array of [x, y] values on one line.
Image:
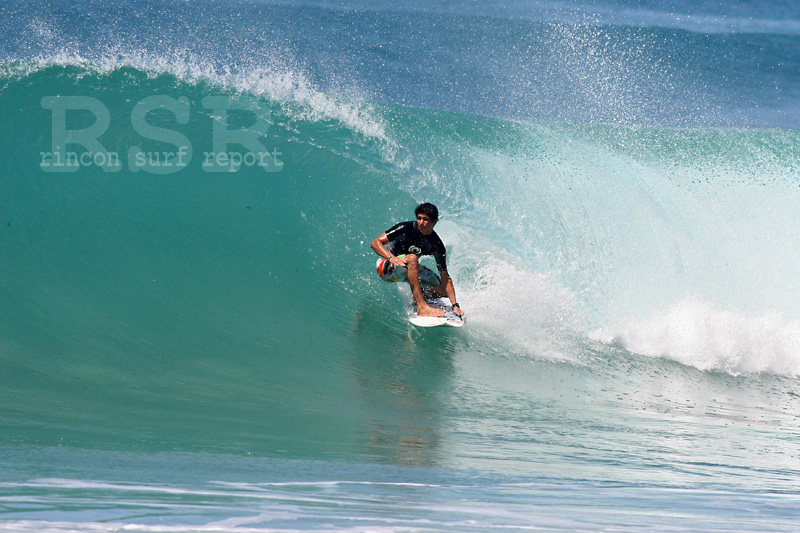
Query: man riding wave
[[400, 248]]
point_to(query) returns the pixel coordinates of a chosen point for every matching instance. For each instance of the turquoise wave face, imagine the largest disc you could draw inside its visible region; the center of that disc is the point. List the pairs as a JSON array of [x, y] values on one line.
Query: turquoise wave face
[[238, 310], [189, 307]]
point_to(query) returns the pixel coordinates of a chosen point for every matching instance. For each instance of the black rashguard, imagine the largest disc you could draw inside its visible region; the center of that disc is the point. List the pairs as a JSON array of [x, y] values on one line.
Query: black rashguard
[[405, 238]]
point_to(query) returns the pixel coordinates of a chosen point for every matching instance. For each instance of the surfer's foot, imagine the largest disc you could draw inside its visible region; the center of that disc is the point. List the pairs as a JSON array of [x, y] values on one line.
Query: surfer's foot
[[429, 311]]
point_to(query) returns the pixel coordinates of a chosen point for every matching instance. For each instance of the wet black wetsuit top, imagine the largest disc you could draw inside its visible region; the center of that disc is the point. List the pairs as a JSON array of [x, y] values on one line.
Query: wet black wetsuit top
[[405, 238]]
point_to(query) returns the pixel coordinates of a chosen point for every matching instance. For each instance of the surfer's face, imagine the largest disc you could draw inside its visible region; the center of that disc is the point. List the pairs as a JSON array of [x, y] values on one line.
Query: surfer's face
[[425, 224]]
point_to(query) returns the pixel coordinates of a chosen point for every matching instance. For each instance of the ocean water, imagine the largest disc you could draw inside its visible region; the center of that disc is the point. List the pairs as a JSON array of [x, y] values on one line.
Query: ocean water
[[192, 336]]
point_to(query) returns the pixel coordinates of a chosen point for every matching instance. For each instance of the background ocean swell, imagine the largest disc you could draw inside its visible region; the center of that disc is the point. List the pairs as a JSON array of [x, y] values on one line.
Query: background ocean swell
[[663, 65]]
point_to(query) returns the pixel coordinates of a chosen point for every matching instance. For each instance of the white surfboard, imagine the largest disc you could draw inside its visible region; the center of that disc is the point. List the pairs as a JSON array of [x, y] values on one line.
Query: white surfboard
[[427, 321], [449, 318]]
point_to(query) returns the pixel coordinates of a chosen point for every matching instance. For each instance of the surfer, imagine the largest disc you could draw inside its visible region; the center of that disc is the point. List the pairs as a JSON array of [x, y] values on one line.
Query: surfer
[[400, 248]]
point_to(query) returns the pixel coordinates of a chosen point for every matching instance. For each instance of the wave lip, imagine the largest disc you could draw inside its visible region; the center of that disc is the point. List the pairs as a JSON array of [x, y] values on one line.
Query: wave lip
[[706, 337], [280, 80]]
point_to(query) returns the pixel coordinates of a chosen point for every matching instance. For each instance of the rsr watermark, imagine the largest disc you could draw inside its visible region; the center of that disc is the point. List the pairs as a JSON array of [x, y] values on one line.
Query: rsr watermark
[[219, 159]]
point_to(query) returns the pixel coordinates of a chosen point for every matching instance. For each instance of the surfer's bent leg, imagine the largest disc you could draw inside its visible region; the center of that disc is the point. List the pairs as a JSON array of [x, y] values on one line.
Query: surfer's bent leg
[[438, 291], [423, 309]]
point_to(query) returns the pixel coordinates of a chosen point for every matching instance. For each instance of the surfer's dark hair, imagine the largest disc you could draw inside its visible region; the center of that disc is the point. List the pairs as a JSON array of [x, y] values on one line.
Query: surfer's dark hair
[[427, 209]]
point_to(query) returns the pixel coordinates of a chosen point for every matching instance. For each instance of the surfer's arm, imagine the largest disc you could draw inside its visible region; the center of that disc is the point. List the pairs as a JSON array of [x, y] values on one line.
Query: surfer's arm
[[379, 245], [450, 290]]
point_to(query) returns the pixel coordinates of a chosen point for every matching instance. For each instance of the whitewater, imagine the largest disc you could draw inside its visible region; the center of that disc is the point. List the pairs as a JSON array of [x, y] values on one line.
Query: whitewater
[[204, 346]]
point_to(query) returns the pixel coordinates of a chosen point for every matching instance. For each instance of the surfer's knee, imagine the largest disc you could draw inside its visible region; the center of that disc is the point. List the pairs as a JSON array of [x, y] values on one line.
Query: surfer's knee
[[411, 259]]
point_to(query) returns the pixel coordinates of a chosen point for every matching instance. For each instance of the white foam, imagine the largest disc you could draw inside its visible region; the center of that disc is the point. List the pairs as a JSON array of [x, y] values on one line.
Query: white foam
[[703, 336], [526, 308], [109, 487], [239, 525], [504, 298]]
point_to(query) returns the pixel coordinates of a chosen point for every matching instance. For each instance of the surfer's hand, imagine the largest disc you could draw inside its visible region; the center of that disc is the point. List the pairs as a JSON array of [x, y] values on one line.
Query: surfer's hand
[[459, 312], [397, 261]]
